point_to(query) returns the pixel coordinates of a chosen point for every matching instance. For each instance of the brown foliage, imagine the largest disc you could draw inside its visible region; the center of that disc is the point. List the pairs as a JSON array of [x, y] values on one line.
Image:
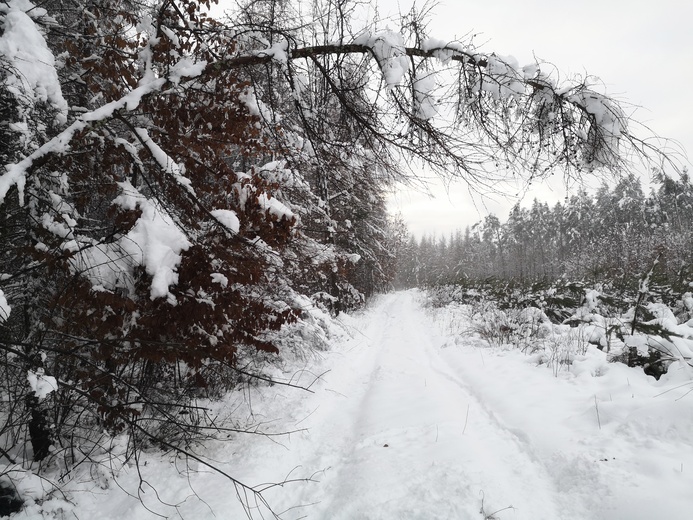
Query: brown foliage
[[116, 349]]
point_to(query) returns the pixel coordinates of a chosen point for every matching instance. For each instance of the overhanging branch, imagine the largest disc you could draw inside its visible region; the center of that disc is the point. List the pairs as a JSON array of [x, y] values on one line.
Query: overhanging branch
[[267, 56]]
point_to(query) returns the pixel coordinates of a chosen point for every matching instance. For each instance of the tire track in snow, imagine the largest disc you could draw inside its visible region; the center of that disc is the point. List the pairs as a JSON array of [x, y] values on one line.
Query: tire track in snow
[[409, 440]]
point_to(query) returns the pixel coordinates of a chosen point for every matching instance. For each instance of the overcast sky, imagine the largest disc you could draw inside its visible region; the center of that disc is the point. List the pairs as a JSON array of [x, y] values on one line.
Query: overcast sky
[[641, 50]]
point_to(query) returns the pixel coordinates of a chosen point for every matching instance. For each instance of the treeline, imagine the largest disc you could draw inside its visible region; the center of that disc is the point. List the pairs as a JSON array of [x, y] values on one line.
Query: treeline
[[612, 235]]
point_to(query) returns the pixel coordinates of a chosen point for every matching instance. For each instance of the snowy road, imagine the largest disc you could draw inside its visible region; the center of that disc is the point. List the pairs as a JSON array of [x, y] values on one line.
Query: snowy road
[[421, 445], [413, 425]]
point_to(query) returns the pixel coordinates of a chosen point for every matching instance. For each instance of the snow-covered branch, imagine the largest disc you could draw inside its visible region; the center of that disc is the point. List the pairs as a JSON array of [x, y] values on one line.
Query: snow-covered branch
[[458, 109]]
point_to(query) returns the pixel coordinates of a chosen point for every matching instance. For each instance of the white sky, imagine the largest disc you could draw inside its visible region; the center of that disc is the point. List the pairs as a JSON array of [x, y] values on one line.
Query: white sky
[[641, 50]]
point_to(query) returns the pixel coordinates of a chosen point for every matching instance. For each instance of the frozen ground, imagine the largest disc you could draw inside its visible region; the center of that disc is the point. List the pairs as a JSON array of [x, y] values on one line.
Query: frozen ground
[[415, 422]]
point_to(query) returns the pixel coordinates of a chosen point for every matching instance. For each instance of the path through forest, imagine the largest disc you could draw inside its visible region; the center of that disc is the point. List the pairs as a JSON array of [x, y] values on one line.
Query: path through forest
[[406, 438], [422, 424], [411, 419]]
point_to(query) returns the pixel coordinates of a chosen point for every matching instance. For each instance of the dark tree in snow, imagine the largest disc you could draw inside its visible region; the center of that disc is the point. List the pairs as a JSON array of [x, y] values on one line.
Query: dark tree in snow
[[131, 281]]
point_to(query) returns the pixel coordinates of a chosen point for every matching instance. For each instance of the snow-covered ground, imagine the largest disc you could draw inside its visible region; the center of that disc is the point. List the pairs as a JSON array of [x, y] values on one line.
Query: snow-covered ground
[[413, 421]]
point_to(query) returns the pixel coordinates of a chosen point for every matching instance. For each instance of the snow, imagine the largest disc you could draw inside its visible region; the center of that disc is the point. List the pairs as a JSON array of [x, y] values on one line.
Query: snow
[[254, 105], [186, 67], [172, 36], [169, 165], [5, 308], [606, 114], [530, 71], [278, 52], [40, 383], [154, 242], [16, 173], [227, 218], [433, 44], [26, 50], [443, 51], [220, 279], [389, 50], [274, 206], [59, 229], [412, 415], [32, 76], [501, 79], [608, 121], [424, 86]]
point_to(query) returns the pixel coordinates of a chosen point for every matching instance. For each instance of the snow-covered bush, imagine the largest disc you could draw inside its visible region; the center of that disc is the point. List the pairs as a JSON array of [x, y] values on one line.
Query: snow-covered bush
[[520, 328], [556, 324]]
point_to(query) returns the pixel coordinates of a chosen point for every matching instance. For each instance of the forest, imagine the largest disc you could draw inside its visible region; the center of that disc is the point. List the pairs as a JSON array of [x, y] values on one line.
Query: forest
[[613, 235], [187, 199]]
